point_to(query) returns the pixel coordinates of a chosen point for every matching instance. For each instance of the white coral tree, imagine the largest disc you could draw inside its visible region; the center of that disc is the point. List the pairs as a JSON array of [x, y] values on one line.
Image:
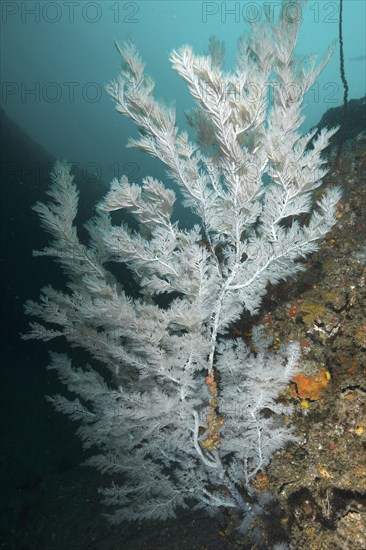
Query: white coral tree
[[174, 404]]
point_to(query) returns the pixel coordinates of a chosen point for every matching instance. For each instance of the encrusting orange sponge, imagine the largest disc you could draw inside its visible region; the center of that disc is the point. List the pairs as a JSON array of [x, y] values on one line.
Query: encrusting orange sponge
[[310, 387]]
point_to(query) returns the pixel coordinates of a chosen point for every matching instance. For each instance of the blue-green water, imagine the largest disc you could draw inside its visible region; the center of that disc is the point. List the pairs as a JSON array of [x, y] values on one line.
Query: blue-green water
[[57, 57]]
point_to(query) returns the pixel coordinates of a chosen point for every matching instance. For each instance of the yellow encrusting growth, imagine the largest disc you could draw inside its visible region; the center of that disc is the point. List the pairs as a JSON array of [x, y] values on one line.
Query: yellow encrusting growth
[[214, 421]]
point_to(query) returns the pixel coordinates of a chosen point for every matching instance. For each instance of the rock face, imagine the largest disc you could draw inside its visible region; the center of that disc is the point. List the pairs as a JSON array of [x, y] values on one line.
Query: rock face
[[356, 119], [321, 482]]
